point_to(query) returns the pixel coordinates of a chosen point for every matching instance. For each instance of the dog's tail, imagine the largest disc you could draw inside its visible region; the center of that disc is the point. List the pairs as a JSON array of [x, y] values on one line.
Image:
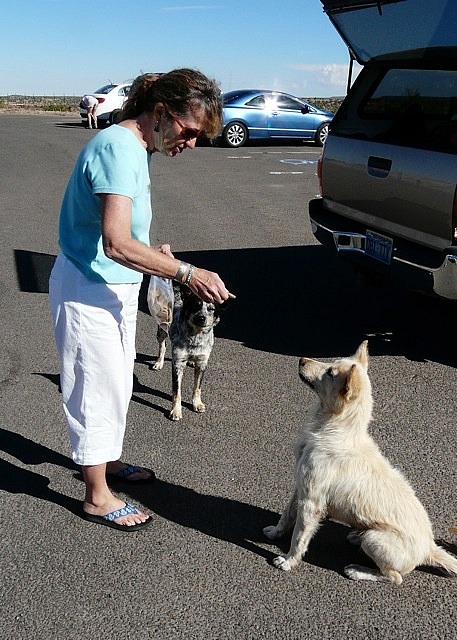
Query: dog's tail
[[442, 559]]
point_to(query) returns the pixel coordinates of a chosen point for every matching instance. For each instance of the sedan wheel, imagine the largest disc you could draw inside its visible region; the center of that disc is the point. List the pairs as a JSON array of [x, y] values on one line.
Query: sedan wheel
[[321, 134], [235, 134], [115, 116]]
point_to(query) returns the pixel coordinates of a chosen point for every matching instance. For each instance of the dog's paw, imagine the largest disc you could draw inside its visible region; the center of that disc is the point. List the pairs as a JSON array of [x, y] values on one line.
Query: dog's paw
[[175, 414], [282, 563], [352, 571], [357, 572], [199, 407], [157, 366], [271, 532], [353, 537]]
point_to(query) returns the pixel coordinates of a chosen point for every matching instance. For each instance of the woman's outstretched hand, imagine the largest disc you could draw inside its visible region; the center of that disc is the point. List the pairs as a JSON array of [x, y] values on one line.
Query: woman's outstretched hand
[[208, 286]]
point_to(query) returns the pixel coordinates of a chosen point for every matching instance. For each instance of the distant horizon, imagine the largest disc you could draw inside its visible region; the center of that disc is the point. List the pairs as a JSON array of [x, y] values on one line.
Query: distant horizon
[[74, 95]]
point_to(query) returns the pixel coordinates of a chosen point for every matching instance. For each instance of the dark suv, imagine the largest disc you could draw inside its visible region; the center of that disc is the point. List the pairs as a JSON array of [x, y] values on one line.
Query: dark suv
[[389, 166]]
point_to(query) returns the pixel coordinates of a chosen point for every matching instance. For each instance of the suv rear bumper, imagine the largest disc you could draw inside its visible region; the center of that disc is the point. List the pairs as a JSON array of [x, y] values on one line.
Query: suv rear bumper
[[412, 266]]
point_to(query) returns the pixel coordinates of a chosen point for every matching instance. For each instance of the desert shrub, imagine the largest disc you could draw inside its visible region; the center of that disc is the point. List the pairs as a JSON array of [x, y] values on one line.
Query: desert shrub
[[58, 106]]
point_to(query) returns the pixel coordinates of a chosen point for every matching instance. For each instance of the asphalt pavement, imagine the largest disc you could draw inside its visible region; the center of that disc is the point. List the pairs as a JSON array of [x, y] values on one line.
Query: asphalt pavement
[[203, 570]]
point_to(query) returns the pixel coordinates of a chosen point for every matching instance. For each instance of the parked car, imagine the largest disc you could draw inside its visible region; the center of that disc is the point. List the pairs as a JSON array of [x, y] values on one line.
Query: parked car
[[111, 99], [249, 114], [388, 172]]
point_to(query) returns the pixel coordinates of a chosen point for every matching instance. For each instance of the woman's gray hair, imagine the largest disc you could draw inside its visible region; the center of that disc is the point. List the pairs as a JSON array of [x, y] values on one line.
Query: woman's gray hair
[[181, 90]]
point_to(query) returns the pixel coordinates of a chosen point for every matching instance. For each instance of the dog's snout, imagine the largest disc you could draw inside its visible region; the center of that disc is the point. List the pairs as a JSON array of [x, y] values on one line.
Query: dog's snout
[[304, 372]]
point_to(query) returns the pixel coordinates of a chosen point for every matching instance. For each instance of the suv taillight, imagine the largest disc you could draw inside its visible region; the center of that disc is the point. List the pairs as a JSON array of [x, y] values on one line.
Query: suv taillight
[[319, 176], [454, 219], [101, 100]]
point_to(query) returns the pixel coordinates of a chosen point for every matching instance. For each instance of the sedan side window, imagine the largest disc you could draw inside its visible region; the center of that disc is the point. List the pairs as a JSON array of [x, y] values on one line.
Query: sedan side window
[[284, 102], [258, 101]]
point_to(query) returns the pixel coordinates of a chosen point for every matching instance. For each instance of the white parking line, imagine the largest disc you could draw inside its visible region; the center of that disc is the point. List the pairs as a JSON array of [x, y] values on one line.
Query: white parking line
[[286, 173], [293, 161], [285, 152], [298, 161]]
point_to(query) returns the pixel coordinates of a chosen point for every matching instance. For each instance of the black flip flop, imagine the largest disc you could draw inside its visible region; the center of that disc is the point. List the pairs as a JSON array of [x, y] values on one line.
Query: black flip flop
[[108, 520], [123, 475]]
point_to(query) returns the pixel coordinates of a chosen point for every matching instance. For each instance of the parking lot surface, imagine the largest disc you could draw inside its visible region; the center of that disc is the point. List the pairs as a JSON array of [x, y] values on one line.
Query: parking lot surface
[[203, 570]]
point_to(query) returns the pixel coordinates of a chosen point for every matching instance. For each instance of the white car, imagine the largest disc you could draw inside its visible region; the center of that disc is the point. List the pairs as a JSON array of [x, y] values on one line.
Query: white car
[[111, 99]]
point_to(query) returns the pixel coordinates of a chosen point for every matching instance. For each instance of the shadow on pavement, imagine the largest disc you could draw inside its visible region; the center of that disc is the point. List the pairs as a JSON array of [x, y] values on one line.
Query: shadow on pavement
[[241, 524], [138, 387], [219, 517], [14, 479], [30, 452], [73, 124], [303, 300]]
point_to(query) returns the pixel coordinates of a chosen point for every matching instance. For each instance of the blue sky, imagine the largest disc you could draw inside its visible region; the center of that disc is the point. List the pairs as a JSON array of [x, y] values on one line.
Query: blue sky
[[60, 47]]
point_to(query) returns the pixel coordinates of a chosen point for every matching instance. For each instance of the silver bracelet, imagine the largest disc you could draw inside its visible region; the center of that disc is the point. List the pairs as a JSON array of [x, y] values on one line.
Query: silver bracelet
[[189, 275], [181, 272]]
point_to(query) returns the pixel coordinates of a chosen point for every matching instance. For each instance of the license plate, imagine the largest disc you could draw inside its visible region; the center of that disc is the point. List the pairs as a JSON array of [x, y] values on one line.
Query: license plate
[[378, 246]]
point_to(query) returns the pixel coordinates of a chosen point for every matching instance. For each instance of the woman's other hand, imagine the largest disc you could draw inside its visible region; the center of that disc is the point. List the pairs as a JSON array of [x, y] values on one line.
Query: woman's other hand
[[166, 249]]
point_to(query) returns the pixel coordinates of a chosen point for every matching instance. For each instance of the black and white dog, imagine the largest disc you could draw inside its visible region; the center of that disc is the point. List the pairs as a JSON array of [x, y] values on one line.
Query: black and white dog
[[192, 339]]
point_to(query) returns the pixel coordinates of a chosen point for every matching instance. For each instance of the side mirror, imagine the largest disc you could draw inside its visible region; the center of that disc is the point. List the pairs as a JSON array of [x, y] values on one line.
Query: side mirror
[[305, 109]]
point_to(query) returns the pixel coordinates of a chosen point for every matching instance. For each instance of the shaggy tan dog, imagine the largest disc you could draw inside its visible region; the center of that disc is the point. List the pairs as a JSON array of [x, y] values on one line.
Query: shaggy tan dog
[[341, 474]]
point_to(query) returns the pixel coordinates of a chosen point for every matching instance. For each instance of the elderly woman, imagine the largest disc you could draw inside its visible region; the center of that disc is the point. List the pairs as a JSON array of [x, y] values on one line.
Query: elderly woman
[[104, 251]]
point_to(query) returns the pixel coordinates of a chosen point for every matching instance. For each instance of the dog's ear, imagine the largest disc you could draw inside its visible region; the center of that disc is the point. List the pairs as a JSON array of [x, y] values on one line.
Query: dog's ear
[[184, 291], [223, 306], [351, 386], [361, 355]]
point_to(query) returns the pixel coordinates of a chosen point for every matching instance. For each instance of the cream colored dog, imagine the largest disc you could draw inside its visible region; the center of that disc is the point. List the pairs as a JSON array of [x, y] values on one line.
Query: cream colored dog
[[341, 474]]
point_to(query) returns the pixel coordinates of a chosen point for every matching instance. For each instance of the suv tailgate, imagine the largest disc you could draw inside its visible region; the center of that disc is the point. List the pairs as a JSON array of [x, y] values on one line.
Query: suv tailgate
[[387, 194]]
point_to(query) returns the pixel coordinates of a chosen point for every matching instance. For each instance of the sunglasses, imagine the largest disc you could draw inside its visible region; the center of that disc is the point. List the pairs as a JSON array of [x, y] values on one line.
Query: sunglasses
[[188, 133]]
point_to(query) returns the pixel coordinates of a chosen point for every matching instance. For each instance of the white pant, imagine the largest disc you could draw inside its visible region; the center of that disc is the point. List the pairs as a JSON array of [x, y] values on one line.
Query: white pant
[[95, 325]]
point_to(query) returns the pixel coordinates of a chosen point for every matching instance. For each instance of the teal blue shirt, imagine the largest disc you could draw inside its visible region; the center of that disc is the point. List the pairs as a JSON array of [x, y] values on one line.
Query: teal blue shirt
[[115, 162]]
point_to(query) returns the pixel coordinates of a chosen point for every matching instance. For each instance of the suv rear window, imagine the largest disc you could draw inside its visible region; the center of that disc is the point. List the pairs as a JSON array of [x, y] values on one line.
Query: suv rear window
[[410, 107], [375, 28]]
